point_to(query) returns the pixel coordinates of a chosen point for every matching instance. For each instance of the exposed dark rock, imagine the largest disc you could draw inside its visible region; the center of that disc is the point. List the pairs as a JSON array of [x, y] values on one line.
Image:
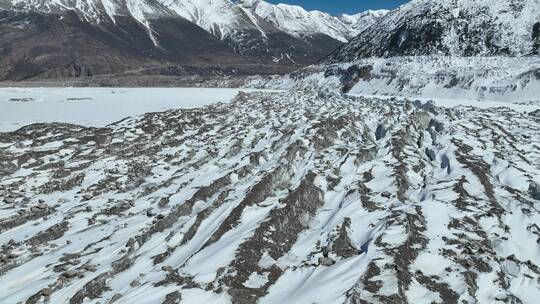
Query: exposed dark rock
[[447, 295], [431, 154], [433, 135], [438, 126], [91, 290], [351, 76], [534, 190], [445, 163], [52, 233], [380, 133], [173, 298], [342, 245], [536, 38]]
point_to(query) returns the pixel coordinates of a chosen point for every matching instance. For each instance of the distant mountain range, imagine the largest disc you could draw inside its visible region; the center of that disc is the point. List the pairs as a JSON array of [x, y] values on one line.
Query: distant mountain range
[[74, 38], [66, 38]]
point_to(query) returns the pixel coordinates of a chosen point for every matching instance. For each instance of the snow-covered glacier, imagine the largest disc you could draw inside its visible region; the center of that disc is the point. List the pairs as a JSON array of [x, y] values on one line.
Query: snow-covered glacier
[[402, 168], [294, 197]]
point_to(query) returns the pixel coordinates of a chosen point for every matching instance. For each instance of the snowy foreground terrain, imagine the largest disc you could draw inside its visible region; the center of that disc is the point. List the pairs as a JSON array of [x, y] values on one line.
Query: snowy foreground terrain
[[97, 107], [288, 197]]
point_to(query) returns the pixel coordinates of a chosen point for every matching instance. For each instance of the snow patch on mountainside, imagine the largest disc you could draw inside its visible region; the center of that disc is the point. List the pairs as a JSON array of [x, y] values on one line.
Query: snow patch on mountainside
[[99, 10], [219, 17], [297, 21]]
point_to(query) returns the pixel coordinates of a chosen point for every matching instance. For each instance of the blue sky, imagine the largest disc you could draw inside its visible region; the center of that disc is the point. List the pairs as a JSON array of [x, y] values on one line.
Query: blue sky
[[343, 6]]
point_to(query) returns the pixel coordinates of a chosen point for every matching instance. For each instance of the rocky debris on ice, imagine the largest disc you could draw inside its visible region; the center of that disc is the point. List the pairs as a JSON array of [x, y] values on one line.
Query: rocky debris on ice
[[275, 197]]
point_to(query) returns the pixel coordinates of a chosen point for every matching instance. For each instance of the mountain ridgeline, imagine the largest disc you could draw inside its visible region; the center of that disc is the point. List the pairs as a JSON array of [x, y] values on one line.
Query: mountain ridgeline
[[65, 38], [454, 28]]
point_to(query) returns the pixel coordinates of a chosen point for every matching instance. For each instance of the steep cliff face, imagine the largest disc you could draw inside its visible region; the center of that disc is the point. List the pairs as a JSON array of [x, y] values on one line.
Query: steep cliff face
[[451, 28], [39, 36]]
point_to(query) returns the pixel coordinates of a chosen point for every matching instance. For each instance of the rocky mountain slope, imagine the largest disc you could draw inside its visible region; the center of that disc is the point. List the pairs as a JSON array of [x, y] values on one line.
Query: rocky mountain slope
[[278, 197], [451, 28], [39, 37], [34, 44], [474, 49]]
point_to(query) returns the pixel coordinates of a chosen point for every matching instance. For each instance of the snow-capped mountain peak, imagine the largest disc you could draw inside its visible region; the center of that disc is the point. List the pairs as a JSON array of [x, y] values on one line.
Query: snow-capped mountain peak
[[297, 21], [357, 23], [284, 34], [224, 17], [221, 18]]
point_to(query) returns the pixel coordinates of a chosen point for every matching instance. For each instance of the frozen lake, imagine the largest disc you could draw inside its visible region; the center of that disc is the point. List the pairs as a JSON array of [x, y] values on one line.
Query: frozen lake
[[98, 106]]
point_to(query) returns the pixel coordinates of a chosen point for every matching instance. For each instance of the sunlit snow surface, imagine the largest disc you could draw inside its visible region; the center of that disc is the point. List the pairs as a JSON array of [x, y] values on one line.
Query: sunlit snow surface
[[240, 202], [97, 107]]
